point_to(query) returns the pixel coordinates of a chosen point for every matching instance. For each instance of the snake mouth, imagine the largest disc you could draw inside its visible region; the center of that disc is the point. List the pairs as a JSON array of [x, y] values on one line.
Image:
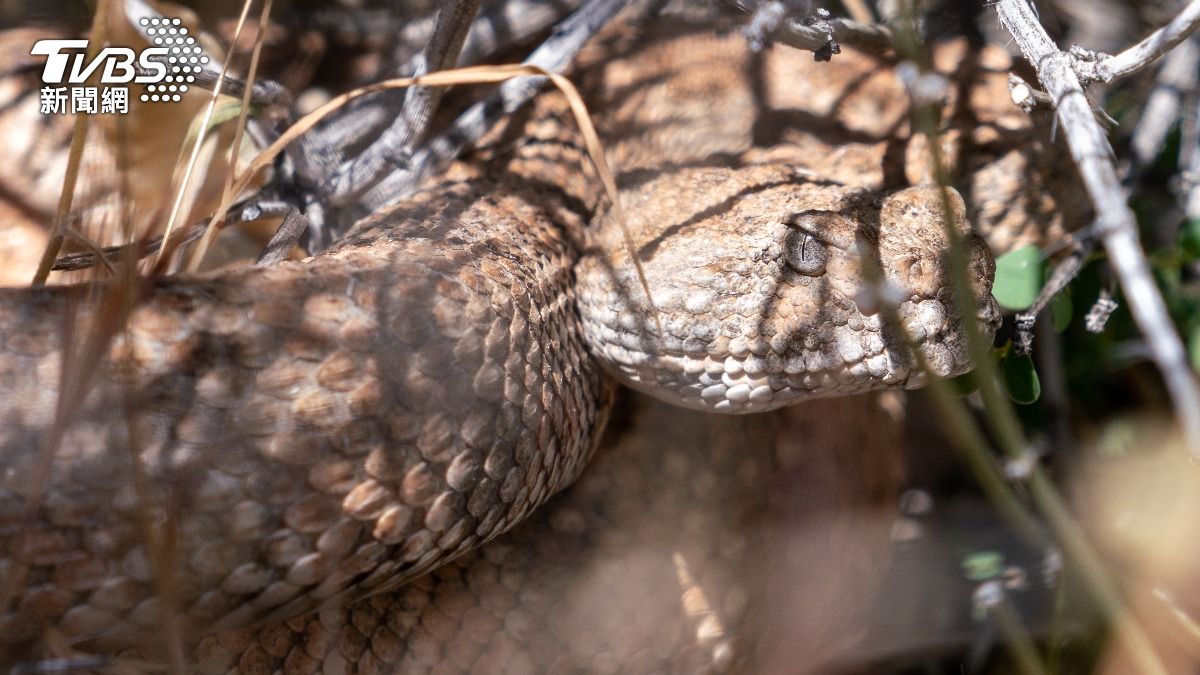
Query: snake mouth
[[946, 351], [860, 353]]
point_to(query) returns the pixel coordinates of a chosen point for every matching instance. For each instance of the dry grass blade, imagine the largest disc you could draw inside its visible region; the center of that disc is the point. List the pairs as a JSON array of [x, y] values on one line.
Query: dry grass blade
[[596, 152], [227, 193], [193, 158], [96, 39], [164, 550], [457, 76], [1155, 45]]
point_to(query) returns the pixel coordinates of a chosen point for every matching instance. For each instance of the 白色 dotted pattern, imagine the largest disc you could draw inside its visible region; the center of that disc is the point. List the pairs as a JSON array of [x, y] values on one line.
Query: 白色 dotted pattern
[[185, 59]]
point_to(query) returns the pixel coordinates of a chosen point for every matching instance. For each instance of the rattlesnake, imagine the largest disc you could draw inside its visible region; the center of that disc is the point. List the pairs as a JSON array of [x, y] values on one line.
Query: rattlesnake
[[318, 431]]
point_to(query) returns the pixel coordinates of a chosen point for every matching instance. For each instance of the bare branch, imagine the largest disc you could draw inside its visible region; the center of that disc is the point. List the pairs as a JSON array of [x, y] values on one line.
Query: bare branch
[[1188, 187], [552, 55], [290, 230], [394, 146], [263, 93], [503, 24], [1115, 221], [1026, 97], [499, 26], [1153, 47], [815, 36], [442, 52], [1101, 310], [873, 38]]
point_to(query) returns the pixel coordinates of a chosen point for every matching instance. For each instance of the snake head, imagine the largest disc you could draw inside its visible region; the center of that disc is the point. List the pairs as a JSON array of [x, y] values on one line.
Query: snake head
[[771, 290]]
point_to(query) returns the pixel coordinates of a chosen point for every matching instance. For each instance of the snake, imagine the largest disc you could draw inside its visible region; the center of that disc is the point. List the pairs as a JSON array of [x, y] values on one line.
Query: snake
[[257, 452]]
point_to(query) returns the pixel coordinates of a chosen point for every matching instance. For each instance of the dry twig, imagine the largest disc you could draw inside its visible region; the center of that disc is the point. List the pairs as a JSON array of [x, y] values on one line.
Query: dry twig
[[395, 145], [553, 56], [816, 36], [1152, 48], [74, 158], [499, 25]]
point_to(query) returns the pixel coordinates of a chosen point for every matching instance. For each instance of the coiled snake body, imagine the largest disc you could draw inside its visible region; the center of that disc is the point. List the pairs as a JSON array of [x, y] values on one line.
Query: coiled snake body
[[263, 443]]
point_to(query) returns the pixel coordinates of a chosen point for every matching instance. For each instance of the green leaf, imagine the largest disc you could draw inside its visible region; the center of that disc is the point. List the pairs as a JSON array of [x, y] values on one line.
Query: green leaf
[[1189, 238], [983, 565], [1019, 277], [1060, 311], [1021, 379], [225, 110]]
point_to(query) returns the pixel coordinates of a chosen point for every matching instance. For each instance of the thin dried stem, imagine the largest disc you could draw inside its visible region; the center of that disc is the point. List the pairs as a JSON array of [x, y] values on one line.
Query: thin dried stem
[[92, 247], [1016, 636], [181, 237], [1189, 152], [1093, 155], [1064, 273], [872, 38], [498, 26], [1010, 438]]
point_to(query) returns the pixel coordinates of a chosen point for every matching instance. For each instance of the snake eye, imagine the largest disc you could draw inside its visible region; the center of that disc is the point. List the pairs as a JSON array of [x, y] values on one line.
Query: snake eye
[[803, 250]]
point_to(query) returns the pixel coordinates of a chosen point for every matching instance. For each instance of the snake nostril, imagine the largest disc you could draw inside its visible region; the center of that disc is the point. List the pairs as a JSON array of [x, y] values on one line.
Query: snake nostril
[[988, 313]]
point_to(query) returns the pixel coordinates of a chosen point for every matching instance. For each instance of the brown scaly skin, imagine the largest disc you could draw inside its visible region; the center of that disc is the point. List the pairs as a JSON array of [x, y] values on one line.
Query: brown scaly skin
[[692, 543], [313, 429], [356, 393]]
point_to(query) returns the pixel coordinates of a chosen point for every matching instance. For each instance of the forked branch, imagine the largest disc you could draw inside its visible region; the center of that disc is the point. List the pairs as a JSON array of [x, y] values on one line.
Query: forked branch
[[1115, 222]]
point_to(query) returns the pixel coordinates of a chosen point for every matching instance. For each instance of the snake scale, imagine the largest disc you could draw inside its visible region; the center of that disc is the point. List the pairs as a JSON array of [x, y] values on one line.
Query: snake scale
[[271, 462]]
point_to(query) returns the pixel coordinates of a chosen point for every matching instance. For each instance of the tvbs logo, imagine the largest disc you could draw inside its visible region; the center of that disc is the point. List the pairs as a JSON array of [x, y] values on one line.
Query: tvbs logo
[[166, 69], [117, 62]]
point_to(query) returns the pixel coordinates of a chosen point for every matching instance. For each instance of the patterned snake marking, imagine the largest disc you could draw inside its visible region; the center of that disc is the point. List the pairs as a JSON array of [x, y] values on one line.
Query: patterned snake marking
[[320, 431]]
